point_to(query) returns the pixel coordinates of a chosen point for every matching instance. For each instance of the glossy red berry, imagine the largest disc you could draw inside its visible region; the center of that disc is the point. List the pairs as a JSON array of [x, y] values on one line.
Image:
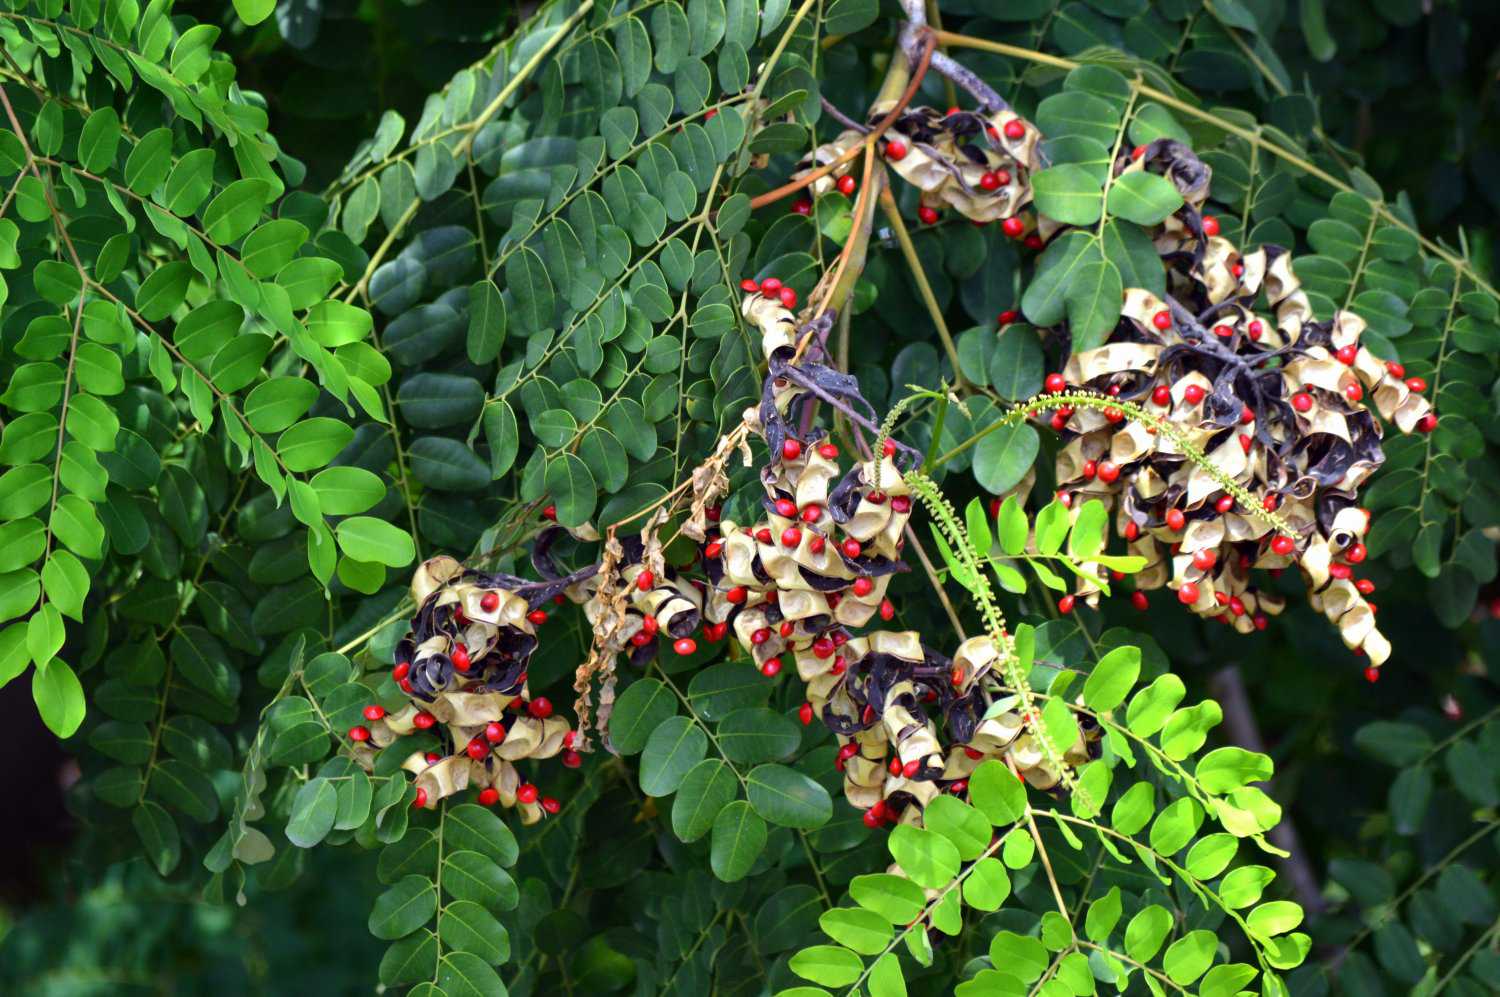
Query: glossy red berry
[[1065, 604], [460, 656], [526, 793], [863, 587], [1210, 225], [927, 215], [401, 670], [1372, 674], [887, 610], [421, 800], [791, 537], [1395, 369], [771, 668], [374, 711], [550, 512], [1416, 384], [1283, 545], [1138, 152], [1204, 559], [540, 707], [737, 594], [478, 748], [1013, 227], [828, 451], [1353, 392], [1193, 394], [1225, 503], [1347, 354], [489, 796], [1302, 401], [990, 181], [1056, 383], [1256, 329], [537, 617], [1364, 586], [1162, 320], [791, 450], [1223, 331], [645, 580], [423, 720], [1161, 395], [847, 185], [1014, 129], [895, 150], [1428, 422], [1139, 600], [852, 548], [788, 297], [1008, 316], [1188, 593], [1355, 554], [684, 645], [489, 602], [749, 286], [1261, 621], [572, 759], [802, 206], [1109, 471], [360, 733], [550, 804]]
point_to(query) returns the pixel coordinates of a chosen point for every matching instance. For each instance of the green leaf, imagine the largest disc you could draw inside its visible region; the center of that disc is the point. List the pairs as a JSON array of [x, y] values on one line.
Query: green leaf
[[403, 908], [345, 491], [930, 859], [1112, 679], [1190, 956], [313, 811], [739, 837], [641, 708], [861, 930], [960, 823], [99, 140], [572, 489], [59, 697], [708, 788], [788, 798], [987, 885], [1143, 197], [830, 965], [467, 927], [365, 538], [235, 210], [1068, 194], [254, 11], [159, 836], [894, 898], [1004, 455], [468, 875], [997, 793], [1225, 769], [673, 748]]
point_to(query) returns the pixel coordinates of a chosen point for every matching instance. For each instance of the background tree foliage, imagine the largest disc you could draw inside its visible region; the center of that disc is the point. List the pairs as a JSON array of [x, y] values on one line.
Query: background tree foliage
[[290, 306]]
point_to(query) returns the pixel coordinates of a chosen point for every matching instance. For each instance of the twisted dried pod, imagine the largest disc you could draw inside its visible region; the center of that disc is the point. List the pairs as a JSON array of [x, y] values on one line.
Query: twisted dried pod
[[1273, 404]]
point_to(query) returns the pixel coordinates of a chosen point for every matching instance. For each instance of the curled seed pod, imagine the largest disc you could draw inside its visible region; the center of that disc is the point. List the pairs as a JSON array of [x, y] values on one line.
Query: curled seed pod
[[1275, 404], [978, 165]]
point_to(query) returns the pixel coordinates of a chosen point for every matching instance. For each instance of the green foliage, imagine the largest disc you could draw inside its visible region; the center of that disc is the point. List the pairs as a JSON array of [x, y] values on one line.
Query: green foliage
[[237, 412]]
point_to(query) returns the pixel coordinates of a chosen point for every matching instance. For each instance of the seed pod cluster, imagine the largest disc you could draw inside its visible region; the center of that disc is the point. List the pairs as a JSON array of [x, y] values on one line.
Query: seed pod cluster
[[464, 665], [795, 585], [979, 165], [1275, 400]]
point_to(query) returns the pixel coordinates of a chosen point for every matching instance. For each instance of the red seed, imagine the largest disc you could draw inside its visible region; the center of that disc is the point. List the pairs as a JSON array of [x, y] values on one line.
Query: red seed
[[852, 548], [572, 759], [1109, 471], [460, 657], [1210, 225], [786, 508], [489, 602], [489, 796], [900, 504], [791, 537], [763, 535], [550, 512], [736, 595], [1428, 422], [526, 793], [1132, 531], [400, 671], [788, 297], [771, 285], [805, 713], [1223, 331], [423, 720], [839, 664], [1256, 330], [1162, 320], [887, 610], [1395, 369], [911, 768], [1247, 415], [374, 711], [791, 450], [1065, 604], [478, 749], [537, 616], [714, 549], [1204, 559], [895, 150], [1347, 354], [1353, 392], [828, 451], [1014, 129], [1175, 519], [1138, 152], [1372, 674], [494, 732], [360, 733], [847, 185], [1261, 621], [1225, 503], [1013, 227], [550, 804], [802, 206], [1193, 393], [1270, 502], [873, 818], [749, 286], [1355, 554], [771, 667], [421, 800], [1302, 401], [989, 181], [684, 646], [1008, 316], [1283, 545], [540, 707], [1416, 384], [1188, 593], [1161, 395], [1139, 600], [863, 587], [645, 580], [1364, 586]]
